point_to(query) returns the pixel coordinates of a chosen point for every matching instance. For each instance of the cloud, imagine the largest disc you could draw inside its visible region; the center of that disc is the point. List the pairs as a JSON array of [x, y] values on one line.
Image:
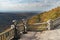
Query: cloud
[[28, 5]]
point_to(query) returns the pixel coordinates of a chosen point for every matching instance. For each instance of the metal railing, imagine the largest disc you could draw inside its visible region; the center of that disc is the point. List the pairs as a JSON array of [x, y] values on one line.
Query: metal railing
[[37, 26], [7, 34]]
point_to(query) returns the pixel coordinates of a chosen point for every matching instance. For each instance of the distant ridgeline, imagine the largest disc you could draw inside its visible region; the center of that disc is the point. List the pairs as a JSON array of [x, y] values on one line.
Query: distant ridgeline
[[7, 17], [43, 17]]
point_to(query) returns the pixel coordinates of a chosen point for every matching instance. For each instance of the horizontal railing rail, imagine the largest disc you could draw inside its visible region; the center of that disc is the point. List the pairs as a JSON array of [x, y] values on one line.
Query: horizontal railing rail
[[37, 26], [5, 31]]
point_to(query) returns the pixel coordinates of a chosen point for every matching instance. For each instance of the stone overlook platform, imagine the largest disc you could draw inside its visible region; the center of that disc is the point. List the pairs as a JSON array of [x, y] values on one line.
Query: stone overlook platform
[[45, 35]]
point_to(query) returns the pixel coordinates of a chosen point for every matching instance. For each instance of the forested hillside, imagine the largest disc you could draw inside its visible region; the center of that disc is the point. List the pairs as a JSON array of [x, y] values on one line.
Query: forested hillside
[[43, 17]]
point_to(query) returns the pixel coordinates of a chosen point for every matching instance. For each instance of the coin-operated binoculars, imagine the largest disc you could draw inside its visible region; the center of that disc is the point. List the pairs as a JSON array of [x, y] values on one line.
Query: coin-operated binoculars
[[25, 26], [14, 25]]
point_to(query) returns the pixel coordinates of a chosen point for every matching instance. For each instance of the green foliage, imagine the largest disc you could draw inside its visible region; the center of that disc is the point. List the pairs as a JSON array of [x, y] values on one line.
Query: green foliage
[[45, 16]]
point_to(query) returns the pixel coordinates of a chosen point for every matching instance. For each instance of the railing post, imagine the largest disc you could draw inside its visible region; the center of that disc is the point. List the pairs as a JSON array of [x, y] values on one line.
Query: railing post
[[50, 24], [25, 26]]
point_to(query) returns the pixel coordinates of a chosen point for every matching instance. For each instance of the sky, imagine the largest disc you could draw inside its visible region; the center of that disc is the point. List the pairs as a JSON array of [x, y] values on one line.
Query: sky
[[28, 5]]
